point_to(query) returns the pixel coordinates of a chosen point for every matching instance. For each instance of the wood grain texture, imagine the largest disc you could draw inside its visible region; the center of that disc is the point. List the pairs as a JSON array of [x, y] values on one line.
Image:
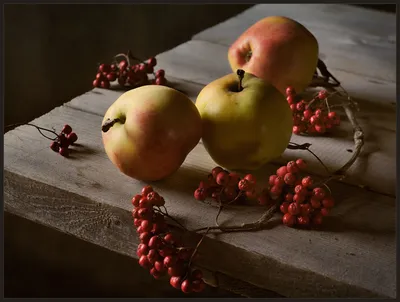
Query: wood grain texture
[[353, 255], [352, 39]]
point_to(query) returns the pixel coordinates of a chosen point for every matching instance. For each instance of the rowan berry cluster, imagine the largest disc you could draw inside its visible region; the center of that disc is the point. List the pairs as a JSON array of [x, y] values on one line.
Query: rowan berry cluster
[[313, 117], [64, 140], [160, 251], [134, 75]]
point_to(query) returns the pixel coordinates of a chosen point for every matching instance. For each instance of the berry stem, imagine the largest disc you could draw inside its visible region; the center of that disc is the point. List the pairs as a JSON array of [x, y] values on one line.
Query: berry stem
[[172, 218], [125, 56], [37, 127], [109, 123], [349, 108], [306, 146], [240, 73]]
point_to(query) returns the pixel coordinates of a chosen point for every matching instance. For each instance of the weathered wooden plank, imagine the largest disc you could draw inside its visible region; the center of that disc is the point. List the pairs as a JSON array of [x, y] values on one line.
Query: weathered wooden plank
[[374, 169], [352, 39], [358, 259]]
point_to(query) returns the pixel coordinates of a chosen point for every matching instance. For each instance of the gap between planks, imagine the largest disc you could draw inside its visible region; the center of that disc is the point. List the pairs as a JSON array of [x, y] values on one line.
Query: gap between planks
[[348, 250]]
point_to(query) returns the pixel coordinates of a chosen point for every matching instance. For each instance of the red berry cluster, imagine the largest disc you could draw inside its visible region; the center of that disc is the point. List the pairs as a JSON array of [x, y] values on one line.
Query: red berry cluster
[[229, 187], [303, 203], [132, 75], [160, 251], [300, 201], [313, 117], [64, 140]]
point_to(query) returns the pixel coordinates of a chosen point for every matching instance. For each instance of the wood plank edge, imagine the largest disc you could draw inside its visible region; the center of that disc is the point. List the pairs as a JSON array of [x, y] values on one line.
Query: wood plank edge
[[111, 228]]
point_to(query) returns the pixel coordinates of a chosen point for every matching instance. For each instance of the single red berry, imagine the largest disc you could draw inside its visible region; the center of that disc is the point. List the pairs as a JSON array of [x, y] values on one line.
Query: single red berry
[[307, 181], [139, 230], [154, 242], [244, 185], [230, 193], [146, 190], [301, 164], [299, 198], [317, 219], [251, 179], [292, 167], [105, 84], [271, 180], [307, 114], [322, 94], [318, 113], [145, 237], [142, 250], [104, 68], [328, 202], [315, 203], [200, 194], [55, 146], [324, 211], [314, 120], [99, 76], [155, 273], [66, 129], [251, 194], [281, 171], [293, 107], [123, 65], [159, 266], [185, 254], [146, 226], [305, 209], [160, 73], [176, 270], [63, 151], [296, 130], [279, 181], [318, 193], [300, 106], [169, 238], [320, 128], [289, 179], [176, 282], [289, 197], [96, 83], [112, 76], [144, 203], [166, 251], [289, 220], [186, 286], [136, 199], [298, 189], [215, 171], [303, 220], [294, 208], [153, 197], [160, 81], [276, 191], [197, 274], [222, 178], [144, 213], [284, 207], [290, 91], [198, 285], [153, 256], [122, 81], [144, 262], [72, 138], [170, 261], [290, 99]]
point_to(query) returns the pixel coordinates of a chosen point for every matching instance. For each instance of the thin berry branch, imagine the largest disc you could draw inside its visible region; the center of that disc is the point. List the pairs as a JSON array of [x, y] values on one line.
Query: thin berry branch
[[306, 146], [172, 218], [37, 127]]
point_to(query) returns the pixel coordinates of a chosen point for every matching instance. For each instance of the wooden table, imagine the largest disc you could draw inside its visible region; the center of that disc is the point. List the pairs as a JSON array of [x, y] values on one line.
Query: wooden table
[[353, 255]]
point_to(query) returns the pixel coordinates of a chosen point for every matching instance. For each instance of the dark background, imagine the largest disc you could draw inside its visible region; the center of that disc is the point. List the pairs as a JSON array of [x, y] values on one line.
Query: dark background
[[51, 52]]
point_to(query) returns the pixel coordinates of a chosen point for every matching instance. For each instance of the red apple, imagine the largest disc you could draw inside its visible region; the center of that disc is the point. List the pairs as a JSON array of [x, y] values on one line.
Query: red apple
[[279, 50], [148, 131]]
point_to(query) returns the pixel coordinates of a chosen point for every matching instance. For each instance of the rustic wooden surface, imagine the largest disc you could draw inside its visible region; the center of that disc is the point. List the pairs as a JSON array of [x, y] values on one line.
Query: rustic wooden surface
[[352, 255]]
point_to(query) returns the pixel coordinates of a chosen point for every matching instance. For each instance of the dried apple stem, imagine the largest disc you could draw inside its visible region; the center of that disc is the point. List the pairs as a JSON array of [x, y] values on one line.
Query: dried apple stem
[[109, 123], [240, 73]]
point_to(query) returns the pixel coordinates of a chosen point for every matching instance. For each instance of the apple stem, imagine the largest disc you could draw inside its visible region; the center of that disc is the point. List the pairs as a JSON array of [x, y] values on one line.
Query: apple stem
[[240, 73], [109, 123]]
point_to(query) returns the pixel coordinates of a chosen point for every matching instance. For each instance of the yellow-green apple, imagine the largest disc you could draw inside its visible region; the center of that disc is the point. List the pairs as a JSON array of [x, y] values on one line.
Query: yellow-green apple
[[279, 50], [246, 121], [149, 131]]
